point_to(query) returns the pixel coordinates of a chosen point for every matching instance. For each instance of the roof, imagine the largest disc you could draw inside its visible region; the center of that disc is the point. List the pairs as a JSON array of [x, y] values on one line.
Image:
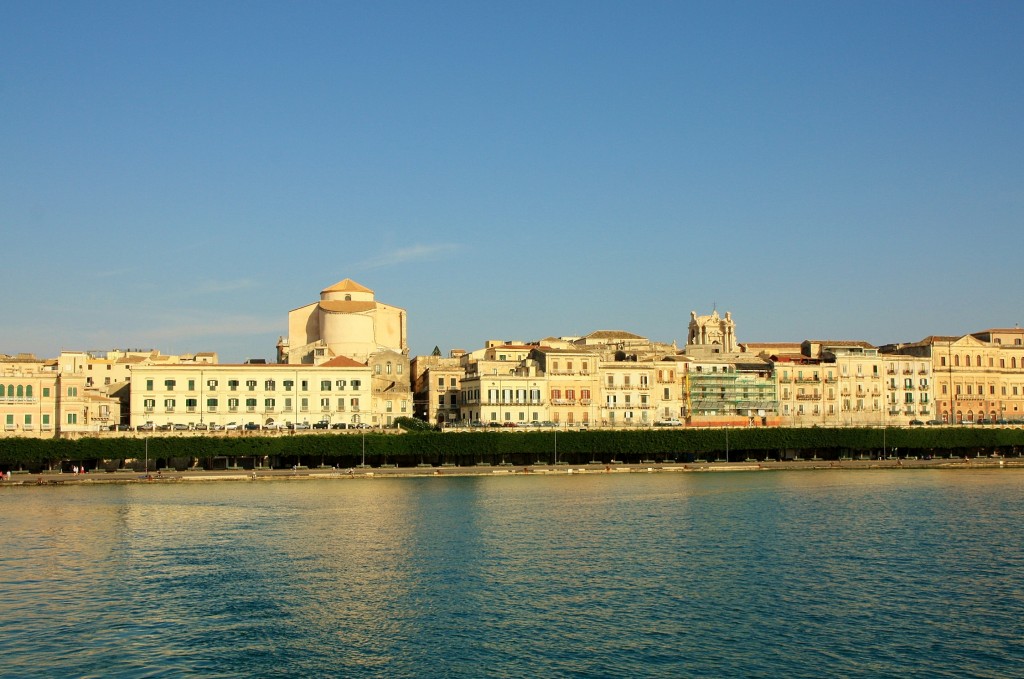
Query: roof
[[843, 343], [612, 334], [337, 306], [347, 285], [342, 362]]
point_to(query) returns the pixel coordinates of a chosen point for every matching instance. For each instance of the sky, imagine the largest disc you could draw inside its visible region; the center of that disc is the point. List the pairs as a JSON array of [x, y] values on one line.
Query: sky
[[181, 175]]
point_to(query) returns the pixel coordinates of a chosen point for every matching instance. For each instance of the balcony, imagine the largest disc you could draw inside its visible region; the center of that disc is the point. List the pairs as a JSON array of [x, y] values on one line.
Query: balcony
[[808, 397]]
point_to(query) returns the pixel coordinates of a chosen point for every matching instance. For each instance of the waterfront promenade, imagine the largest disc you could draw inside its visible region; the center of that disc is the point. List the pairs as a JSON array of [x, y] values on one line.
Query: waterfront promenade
[[327, 473]]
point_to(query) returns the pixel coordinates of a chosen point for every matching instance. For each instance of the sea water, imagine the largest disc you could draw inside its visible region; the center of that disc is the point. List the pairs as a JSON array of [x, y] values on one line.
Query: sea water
[[758, 574]]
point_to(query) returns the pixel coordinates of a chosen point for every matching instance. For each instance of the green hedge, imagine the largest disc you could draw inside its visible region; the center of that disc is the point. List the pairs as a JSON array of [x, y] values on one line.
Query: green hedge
[[463, 448]]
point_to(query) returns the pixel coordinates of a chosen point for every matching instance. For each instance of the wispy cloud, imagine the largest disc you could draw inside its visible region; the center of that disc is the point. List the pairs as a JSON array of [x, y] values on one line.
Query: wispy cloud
[[413, 253]]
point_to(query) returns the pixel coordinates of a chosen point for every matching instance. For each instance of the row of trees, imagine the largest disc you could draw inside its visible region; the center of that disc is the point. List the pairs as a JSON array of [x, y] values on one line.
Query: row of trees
[[519, 448]]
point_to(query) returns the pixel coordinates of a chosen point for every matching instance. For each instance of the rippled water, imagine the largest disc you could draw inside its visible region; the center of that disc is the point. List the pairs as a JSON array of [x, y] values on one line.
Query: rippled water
[[795, 574]]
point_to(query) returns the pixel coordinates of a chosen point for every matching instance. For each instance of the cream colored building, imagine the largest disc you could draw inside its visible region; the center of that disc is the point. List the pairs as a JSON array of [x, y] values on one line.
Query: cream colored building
[[843, 383], [339, 391], [347, 321]]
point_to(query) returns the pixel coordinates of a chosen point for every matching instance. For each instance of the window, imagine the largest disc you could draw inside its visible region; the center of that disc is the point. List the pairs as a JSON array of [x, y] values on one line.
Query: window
[[233, 385], [149, 385], [46, 392], [388, 406], [191, 385], [250, 385], [211, 404], [452, 383], [190, 404], [169, 385], [46, 420], [325, 385], [440, 400], [169, 404], [304, 404], [387, 367], [72, 391], [325, 404], [304, 385], [28, 421], [28, 391], [440, 383], [288, 385], [250, 403], [400, 368], [376, 369], [269, 403], [232, 404], [340, 384], [356, 384], [269, 385], [72, 418], [211, 384], [149, 404], [354, 404]]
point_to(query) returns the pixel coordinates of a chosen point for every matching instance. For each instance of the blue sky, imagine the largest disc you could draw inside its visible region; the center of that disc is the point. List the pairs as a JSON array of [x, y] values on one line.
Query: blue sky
[[181, 175]]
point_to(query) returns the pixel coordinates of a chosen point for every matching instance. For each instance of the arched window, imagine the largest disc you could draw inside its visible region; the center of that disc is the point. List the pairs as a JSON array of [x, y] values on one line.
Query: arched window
[[2, 392], [28, 391], [10, 391], [1013, 362], [388, 369], [21, 391], [956, 360], [942, 361], [978, 362], [967, 360]]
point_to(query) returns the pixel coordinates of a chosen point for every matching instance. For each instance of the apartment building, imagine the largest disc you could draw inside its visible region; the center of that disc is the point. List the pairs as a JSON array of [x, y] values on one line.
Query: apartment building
[[38, 400], [977, 377], [265, 394]]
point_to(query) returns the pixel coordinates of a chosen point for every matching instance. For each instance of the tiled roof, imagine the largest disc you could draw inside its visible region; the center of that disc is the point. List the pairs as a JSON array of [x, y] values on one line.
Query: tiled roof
[[342, 362], [347, 285], [612, 334]]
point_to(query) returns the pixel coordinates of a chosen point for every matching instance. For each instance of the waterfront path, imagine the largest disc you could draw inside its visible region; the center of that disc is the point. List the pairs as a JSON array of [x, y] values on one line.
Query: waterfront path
[[311, 473]]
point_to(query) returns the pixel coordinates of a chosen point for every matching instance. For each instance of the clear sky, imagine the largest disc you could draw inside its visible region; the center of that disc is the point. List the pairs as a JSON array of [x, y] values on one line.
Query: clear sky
[[180, 175]]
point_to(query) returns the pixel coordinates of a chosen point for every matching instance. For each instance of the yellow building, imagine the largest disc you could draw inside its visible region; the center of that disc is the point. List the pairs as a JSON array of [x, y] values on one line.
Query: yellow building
[[38, 400], [978, 377]]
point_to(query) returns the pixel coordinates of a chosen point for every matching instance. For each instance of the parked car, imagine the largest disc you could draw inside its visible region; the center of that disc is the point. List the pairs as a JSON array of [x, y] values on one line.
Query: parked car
[[322, 424], [216, 427], [200, 427], [148, 426], [668, 423], [180, 427], [252, 426], [231, 425], [339, 425], [935, 422], [916, 423], [302, 425]]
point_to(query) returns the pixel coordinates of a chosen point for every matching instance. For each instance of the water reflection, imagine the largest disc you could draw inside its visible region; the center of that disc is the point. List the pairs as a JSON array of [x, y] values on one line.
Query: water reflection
[[788, 573]]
